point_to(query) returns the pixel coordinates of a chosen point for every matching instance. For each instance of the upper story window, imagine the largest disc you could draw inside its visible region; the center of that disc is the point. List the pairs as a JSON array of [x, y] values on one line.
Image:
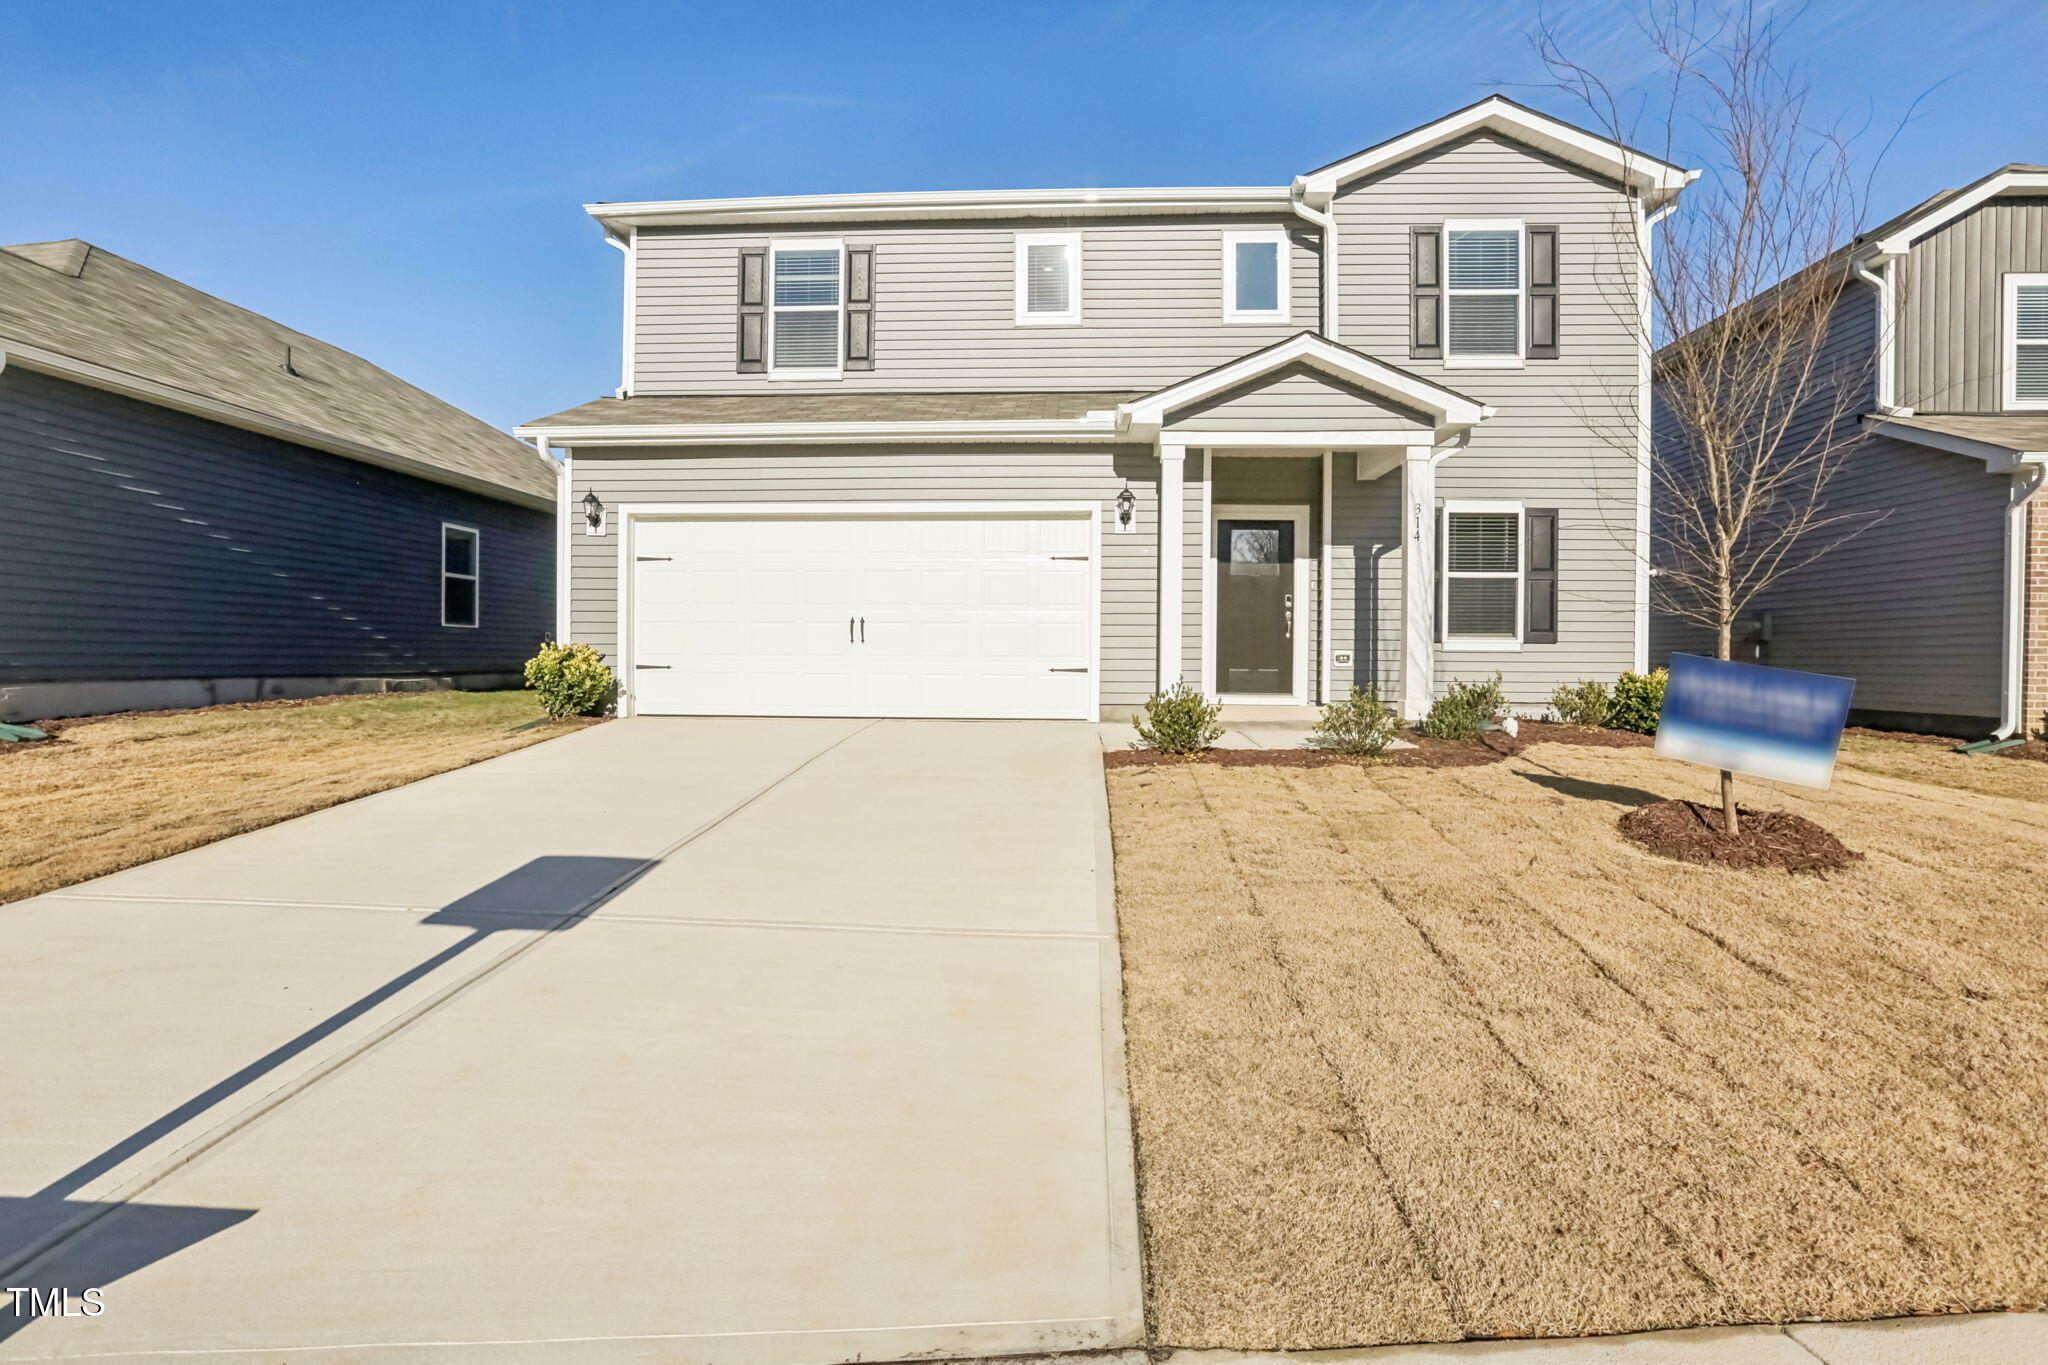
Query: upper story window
[[461, 567], [2026, 341], [1048, 277], [1255, 276], [1483, 292], [1482, 575], [807, 316]]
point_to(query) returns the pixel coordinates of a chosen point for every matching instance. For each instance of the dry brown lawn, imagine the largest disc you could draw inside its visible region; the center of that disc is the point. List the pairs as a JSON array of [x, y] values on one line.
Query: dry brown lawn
[[1425, 1054], [108, 794]]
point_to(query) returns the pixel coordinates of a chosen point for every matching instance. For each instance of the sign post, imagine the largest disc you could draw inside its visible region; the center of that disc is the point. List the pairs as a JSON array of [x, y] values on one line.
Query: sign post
[[1775, 723]]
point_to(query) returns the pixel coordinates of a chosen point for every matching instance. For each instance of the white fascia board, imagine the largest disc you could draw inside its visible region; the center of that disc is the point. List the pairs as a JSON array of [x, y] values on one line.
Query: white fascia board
[[1320, 440], [1997, 459], [233, 415], [1899, 241], [1660, 180], [1095, 427], [1449, 409], [791, 208]]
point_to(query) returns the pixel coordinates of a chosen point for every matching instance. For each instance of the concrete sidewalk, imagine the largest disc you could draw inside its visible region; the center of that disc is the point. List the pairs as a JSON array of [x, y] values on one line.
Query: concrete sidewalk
[[751, 1041]]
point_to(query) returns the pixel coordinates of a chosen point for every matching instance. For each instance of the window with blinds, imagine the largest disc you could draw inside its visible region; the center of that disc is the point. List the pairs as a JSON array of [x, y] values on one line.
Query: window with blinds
[[2027, 341], [1482, 571], [1483, 292], [806, 314], [1048, 277]]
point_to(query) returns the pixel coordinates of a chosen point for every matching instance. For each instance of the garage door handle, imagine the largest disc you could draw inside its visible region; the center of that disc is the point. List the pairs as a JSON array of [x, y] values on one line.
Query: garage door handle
[[654, 665], [1082, 558], [655, 559], [849, 630], [863, 630], [1066, 670]]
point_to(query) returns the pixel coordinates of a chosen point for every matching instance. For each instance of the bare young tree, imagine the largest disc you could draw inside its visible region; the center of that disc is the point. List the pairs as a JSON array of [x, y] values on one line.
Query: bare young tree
[[1754, 413]]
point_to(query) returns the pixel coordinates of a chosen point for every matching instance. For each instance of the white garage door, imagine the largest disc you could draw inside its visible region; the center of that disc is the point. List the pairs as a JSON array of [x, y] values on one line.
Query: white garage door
[[972, 615]]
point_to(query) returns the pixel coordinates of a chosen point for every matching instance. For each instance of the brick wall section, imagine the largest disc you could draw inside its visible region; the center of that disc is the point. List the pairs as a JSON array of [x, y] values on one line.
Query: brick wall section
[[2034, 693]]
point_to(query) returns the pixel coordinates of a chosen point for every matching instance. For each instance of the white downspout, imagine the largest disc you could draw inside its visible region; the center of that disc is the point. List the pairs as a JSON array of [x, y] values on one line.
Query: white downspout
[[562, 514], [629, 245], [1887, 334], [2025, 480], [1328, 224]]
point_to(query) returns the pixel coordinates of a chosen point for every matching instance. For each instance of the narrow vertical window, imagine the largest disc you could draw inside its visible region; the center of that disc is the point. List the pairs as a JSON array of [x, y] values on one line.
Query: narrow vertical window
[[461, 569], [1048, 277], [1482, 556], [806, 320], [1483, 293], [2026, 341], [1255, 277]]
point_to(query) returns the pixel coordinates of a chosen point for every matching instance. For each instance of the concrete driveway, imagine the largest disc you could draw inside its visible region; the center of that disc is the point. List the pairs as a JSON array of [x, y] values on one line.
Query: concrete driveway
[[745, 1041]]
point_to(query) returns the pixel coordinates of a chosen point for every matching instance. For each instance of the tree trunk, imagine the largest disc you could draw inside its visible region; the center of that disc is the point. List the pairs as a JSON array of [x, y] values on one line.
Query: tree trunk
[[1731, 825]]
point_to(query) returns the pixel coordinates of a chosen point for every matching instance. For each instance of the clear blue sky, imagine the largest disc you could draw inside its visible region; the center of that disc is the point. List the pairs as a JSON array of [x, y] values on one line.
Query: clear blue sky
[[405, 179]]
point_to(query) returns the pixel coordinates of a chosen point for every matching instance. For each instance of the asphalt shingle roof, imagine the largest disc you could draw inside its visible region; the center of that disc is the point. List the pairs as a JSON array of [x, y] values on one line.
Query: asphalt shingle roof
[[2015, 433], [87, 303]]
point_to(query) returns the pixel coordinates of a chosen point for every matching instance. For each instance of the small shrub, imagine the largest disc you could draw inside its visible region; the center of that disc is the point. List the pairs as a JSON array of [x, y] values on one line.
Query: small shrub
[[1582, 703], [1361, 726], [1638, 700], [1181, 721], [572, 680], [1465, 708]]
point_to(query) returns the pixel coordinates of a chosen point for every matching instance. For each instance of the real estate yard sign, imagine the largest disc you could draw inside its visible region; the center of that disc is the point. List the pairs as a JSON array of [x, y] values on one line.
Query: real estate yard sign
[[1763, 722]]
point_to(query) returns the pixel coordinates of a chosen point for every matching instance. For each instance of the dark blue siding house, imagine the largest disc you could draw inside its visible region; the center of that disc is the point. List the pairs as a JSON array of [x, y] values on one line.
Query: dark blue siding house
[[199, 505]]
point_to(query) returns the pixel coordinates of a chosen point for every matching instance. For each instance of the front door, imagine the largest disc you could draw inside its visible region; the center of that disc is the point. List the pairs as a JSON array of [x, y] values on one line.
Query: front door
[[1255, 607]]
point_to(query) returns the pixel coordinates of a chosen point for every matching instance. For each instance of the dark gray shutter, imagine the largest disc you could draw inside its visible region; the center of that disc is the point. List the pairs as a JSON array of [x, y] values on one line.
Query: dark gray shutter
[[1542, 293], [1426, 292], [753, 344], [1539, 531], [860, 308]]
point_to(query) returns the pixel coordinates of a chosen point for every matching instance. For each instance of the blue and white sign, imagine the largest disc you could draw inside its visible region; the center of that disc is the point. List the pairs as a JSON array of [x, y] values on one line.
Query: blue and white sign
[[1765, 722]]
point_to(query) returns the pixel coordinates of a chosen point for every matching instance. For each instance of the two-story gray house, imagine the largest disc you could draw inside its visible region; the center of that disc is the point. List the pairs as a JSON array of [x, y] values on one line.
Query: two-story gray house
[[1937, 605], [1040, 453]]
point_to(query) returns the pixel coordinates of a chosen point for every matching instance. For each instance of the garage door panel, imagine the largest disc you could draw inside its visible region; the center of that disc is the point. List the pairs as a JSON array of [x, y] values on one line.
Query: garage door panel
[[967, 615]]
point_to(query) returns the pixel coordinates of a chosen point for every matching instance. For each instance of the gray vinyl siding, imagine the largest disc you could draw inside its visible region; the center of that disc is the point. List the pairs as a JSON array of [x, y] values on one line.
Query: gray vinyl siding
[[855, 474], [1284, 481], [1565, 430], [1952, 305], [945, 307], [1910, 604], [1365, 578], [139, 542], [1299, 398]]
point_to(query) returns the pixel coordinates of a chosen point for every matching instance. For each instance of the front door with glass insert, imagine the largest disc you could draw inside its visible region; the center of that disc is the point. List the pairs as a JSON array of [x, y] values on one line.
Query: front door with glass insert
[[1255, 607]]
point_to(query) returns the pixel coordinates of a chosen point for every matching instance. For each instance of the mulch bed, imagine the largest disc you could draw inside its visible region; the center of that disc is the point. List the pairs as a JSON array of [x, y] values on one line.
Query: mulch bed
[[1691, 832], [1490, 747]]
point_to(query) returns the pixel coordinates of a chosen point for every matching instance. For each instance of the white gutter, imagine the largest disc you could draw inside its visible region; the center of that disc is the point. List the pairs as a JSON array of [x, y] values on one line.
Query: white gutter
[[1328, 223], [1094, 427], [234, 415], [2025, 480], [1064, 203]]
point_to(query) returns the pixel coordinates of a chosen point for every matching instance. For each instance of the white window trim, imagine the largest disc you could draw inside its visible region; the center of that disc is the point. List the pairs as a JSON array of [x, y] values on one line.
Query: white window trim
[[2010, 340], [1520, 575], [476, 561], [1285, 271], [1072, 242], [802, 372], [1454, 361]]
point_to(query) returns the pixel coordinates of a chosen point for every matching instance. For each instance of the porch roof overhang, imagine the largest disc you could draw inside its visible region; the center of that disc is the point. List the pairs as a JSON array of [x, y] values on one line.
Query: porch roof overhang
[[2004, 444], [1449, 411]]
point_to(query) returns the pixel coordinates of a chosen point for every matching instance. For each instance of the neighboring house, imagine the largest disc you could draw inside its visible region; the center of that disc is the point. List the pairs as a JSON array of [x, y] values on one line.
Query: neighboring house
[[1936, 604], [1040, 453], [205, 506]]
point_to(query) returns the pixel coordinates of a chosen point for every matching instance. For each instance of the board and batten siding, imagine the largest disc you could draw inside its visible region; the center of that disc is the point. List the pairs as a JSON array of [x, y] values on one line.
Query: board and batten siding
[[1298, 398], [144, 543], [1951, 349], [623, 477], [945, 307], [1565, 429], [1905, 595]]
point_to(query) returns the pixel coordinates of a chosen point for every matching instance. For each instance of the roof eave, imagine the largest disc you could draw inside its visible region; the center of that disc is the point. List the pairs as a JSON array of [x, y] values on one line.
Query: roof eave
[[1095, 426], [1998, 457], [1899, 240], [110, 380], [1449, 409], [849, 208]]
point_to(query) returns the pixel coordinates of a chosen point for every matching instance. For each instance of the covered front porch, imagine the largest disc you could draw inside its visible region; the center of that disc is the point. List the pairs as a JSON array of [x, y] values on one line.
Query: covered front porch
[[1297, 526]]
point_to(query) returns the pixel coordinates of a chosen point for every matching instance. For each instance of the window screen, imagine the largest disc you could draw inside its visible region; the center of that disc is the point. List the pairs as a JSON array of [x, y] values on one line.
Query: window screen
[[460, 571], [807, 317], [2030, 343], [1256, 277], [1048, 279], [1483, 280]]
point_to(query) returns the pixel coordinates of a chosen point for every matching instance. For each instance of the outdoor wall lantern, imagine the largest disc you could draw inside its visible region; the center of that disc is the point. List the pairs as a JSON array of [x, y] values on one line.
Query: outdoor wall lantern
[[1126, 511], [593, 515]]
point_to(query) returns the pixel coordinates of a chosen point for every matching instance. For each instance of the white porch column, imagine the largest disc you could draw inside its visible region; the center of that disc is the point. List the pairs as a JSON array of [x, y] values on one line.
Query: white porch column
[[1418, 582], [1172, 463]]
